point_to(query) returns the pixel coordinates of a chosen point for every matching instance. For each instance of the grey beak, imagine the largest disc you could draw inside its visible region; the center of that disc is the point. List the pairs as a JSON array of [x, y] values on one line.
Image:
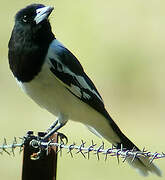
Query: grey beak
[[43, 13]]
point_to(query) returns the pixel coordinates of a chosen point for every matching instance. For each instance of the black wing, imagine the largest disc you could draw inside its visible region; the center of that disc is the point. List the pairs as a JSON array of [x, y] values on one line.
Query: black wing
[[65, 66]]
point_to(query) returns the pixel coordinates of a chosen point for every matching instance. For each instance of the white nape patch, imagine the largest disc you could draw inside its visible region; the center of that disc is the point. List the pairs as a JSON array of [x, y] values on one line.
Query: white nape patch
[[55, 47]]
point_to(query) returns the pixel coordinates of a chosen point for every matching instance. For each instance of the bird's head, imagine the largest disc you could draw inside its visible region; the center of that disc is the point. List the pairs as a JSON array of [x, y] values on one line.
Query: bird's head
[[29, 41], [33, 17], [33, 14]]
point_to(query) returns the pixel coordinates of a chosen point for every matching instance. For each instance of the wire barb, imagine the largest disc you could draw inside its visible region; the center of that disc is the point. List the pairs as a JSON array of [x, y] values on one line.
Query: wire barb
[[38, 144], [99, 150], [90, 148], [71, 147], [5, 147], [81, 148]]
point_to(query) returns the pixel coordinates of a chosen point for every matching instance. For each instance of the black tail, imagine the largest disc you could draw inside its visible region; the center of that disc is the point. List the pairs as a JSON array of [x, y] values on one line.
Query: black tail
[[141, 164]]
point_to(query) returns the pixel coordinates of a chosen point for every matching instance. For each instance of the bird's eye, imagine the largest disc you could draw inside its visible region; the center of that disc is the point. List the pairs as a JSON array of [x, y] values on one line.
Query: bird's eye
[[25, 19]]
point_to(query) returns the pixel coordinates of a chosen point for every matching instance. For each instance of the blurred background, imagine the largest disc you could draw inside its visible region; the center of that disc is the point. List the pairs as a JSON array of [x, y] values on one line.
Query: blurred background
[[121, 46]]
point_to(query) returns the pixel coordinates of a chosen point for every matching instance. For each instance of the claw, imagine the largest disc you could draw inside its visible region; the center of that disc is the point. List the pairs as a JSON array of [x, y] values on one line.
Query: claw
[[62, 137]]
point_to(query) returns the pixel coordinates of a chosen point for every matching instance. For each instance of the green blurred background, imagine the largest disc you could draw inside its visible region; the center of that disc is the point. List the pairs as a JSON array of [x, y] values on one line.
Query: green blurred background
[[121, 46]]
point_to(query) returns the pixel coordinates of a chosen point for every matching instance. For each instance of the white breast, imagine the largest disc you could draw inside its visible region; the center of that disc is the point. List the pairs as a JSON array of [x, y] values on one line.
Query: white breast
[[47, 91]]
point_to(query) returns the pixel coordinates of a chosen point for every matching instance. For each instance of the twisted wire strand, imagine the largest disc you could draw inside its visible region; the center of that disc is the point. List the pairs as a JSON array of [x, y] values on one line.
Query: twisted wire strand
[[82, 149]]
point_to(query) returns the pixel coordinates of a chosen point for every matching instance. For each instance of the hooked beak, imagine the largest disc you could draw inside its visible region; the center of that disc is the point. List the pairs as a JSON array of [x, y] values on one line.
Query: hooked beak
[[43, 13]]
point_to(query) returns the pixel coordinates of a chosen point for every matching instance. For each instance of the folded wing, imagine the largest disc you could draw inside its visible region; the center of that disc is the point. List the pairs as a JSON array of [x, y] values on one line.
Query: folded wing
[[65, 66]]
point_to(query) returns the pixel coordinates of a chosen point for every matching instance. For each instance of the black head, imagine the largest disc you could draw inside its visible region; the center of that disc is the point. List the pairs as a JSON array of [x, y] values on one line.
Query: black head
[[33, 15], [29, 42], [32, 22]]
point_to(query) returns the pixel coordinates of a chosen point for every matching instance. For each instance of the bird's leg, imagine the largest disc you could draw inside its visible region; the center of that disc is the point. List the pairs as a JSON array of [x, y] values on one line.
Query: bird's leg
[[59, 123], [52, 126], [52, 131]]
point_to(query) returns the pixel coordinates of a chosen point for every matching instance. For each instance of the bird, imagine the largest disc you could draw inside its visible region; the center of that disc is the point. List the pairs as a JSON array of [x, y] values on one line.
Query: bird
[[54, 78]]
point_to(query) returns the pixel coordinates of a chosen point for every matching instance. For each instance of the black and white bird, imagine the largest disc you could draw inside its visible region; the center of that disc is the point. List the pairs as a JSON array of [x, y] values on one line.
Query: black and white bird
[[53, 77]]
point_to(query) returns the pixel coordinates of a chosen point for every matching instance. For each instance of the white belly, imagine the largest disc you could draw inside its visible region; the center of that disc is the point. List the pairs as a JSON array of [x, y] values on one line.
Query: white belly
[[47, 91]]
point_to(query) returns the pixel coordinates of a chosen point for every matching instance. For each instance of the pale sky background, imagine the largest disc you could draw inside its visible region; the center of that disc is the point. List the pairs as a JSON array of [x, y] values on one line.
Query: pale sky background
[[121, 46]]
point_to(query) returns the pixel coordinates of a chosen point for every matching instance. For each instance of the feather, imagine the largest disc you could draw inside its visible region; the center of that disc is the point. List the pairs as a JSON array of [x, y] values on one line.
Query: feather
[[65, 66]]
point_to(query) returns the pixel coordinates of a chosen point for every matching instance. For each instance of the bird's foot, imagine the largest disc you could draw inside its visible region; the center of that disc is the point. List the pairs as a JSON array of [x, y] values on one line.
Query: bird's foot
[[54, 128], [62, 137], [36, 142]]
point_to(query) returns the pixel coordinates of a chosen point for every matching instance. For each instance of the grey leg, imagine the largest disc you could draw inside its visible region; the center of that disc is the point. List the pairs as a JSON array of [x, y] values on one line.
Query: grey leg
[[59, 123], [52, 131], [52, 126]]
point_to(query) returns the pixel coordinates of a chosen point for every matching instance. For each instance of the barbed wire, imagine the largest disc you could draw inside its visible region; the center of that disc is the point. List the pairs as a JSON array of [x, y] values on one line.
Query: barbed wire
[[73, 149]]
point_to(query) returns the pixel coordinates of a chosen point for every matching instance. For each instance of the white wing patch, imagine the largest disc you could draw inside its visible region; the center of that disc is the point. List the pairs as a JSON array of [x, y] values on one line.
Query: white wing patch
[[85, 85], [86, 96], [76, 90], [56, 45]]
